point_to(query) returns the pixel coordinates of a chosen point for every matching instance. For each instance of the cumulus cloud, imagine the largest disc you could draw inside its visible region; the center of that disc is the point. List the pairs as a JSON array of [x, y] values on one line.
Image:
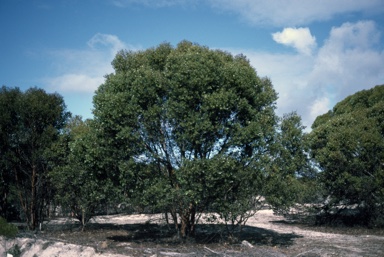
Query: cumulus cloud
[[284, 13], [351, 59], [83, 70], [299, 38]]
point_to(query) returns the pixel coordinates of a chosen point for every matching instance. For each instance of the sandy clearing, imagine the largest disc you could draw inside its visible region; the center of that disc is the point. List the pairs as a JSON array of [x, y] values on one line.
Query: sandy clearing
[[306, 242]]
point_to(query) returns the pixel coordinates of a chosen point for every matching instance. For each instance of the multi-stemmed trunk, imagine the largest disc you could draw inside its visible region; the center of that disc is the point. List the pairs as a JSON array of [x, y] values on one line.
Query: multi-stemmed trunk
[[188, 221], [186, 228], [29, 203]]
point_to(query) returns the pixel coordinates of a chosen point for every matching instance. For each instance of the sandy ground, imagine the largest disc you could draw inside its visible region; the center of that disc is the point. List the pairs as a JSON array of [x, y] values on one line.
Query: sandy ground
[[273, 237], [313, 243]]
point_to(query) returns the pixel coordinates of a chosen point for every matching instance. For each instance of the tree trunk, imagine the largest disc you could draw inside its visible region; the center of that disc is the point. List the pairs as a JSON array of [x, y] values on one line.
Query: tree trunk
[[23, 202], [83, 219], [193, 219], [188, 219], [3, 203], [33, 219], [185, 225], [175, 220]]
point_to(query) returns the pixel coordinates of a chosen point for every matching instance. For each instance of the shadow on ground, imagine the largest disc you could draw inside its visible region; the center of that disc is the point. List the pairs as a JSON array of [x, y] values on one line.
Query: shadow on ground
[[205, 234], [150, 239], [154, 239]]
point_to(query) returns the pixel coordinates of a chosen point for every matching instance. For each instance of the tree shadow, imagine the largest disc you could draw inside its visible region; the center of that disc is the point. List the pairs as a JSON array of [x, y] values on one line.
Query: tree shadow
[[205, 234], [261, 236]]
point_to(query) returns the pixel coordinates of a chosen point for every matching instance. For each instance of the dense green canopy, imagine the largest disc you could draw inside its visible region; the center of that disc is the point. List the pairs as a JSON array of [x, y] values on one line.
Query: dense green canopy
[[348, 144], [30, 122], [192, 126], [82, 184]]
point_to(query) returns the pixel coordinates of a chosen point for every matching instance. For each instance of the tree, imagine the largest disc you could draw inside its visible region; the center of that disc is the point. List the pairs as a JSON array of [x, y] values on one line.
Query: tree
[[8, 124], [31, 122], [192, 127], [290, 165], [348, 144], [77, 161]]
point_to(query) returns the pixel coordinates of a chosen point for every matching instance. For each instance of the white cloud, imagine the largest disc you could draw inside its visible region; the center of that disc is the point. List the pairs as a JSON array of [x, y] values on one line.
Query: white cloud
[[362, 34], [320, 106], [295, 12], [110, 41], [350, 60], [84, 70], [299, 38], [79, 72], [76, 82]]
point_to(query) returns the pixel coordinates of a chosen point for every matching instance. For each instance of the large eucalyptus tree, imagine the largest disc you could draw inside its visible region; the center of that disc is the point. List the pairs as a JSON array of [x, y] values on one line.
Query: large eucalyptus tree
[[191, 126]]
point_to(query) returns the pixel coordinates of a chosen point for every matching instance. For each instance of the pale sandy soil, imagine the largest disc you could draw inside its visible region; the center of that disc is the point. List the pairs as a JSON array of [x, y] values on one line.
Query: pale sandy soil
[[272, 237], [322, 244]]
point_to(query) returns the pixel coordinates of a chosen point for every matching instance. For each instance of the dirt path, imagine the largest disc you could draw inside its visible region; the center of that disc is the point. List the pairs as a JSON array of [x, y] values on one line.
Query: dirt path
[[267, 235]]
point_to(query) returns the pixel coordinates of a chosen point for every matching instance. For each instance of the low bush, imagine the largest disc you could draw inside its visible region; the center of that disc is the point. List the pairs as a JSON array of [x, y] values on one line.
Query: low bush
[[15, 251], [6, 229]]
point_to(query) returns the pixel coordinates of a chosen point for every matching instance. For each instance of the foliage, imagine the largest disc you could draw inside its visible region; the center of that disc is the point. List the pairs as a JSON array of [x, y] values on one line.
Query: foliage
[[15, 251], [348, 144], [30, 122], [6, 229], [8, 124], [81, 185], [290, 166], [190, 130]]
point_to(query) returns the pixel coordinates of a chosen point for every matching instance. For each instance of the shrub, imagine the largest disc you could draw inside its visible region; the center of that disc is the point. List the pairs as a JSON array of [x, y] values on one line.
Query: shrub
[[6, 229], [15, 251]]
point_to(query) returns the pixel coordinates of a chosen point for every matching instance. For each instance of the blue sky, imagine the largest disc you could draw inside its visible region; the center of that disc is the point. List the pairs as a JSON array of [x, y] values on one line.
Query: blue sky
[[315, 52]]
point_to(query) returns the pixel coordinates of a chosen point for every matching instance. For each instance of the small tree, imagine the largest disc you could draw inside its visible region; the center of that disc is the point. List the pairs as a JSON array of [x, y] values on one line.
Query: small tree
[[289, 166], [191, 129], [348, 144], [31, 121], [79, 183], [8, 125]]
